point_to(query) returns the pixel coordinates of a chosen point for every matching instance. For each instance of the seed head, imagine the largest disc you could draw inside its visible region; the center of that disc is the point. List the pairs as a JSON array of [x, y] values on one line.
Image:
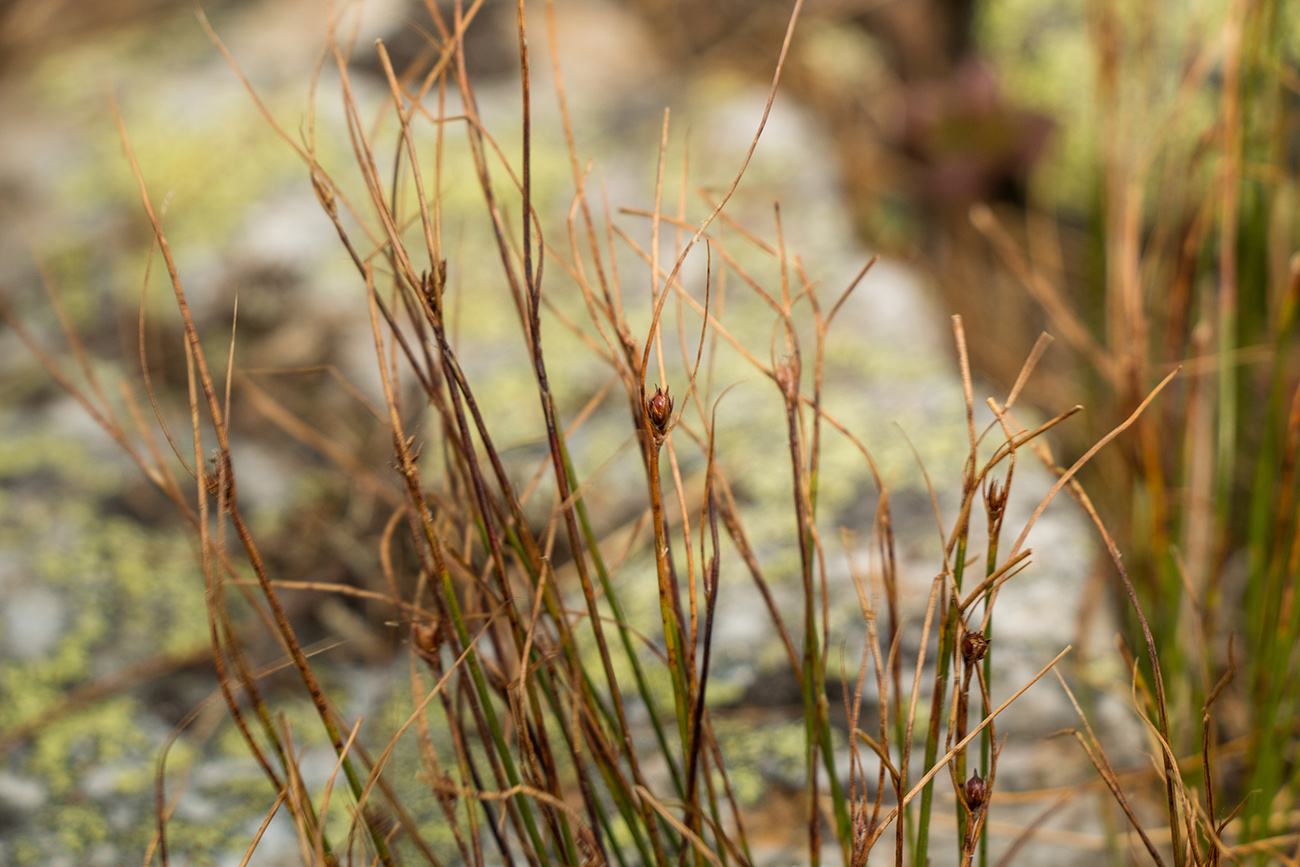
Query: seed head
[[976, 791], [428, 637], [588, 850], [973, 647], [431, 285], [787, 377], [660, 409], [325, 195], [861, 834], [995, 500]]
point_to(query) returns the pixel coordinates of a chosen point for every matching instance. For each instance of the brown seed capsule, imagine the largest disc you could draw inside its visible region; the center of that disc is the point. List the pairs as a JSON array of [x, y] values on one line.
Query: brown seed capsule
[[786, 374], [660, 409], [428, 637], [976, 791], [214, 478], [973, 646], [861, 834], [995, 500], [325, 195]]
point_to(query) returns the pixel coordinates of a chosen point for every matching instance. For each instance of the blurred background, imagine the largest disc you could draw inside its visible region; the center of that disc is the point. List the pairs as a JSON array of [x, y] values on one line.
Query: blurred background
[[1122, 177]]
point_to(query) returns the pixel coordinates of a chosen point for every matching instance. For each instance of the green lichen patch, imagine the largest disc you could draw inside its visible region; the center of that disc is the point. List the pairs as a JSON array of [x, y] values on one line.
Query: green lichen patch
[[125, 593], [759, 756]]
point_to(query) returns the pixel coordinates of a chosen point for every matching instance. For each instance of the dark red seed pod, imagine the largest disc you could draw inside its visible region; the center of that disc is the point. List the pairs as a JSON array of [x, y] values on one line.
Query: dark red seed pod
[[973, 646], [976, 791], [660, 409]]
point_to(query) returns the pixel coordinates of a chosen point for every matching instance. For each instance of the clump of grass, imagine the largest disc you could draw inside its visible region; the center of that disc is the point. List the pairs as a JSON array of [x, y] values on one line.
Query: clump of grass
[[529, 682], [1193, 264]]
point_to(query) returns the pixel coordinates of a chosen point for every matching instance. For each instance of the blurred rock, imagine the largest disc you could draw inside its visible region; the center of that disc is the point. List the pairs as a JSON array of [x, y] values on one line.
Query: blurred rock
[[34, 620]]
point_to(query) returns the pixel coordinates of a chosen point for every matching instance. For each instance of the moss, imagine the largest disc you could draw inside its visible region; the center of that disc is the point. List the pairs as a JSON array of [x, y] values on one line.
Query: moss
[[129, 592], [63, 457], [67, 749], [756, 755], [25, 852], [199, 841], [80, 827], [158, 587]]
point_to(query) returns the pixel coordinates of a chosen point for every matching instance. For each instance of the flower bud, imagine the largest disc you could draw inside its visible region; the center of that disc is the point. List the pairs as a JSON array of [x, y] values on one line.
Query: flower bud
[[660, 410], [976, 792], [973, 647]]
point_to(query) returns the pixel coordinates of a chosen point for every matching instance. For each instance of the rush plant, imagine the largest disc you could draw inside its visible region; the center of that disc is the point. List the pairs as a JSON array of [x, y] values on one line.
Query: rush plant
[[545, 726]]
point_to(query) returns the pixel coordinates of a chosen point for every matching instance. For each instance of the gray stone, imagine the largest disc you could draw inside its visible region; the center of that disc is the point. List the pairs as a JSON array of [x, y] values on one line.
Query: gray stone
[[21, 795], [35, 618]]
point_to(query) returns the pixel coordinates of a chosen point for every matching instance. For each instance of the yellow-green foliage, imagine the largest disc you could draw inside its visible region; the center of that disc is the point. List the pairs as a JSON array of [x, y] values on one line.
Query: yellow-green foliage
[[130, 592], [759, 755]]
